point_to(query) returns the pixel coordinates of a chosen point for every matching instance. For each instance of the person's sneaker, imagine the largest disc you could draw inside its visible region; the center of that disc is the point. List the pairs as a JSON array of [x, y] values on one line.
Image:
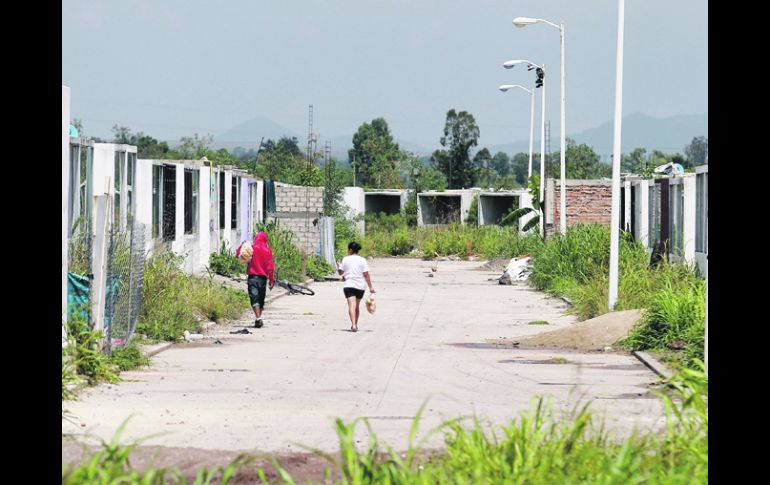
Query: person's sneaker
[[258, 323]]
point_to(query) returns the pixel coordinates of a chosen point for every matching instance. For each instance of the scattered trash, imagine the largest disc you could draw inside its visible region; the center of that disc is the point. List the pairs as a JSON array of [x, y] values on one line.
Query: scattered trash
[[430, 275], [218, 342], [243, 331], [434, 268], [192, 337], [608, 349], [517, 270]]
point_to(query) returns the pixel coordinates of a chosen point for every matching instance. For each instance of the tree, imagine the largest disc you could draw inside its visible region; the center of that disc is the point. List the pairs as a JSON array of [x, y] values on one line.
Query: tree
[[697, 151], [482, 162], [461, 134], [520, 165], [146, 146], [501, 164], [335, 180], [194, 147], [375, 154], [634, 162], [581, 162]]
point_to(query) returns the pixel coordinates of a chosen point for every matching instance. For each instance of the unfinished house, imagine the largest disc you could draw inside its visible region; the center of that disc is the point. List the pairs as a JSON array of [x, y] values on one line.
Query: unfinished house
[[493, 206], [440, 208], [193, 207], [387, 202], [353, 198], [670, 211], [81, 185]]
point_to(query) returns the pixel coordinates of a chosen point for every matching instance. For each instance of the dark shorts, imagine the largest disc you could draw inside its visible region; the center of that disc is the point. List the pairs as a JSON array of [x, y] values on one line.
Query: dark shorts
[[353, 292], [257, 289]]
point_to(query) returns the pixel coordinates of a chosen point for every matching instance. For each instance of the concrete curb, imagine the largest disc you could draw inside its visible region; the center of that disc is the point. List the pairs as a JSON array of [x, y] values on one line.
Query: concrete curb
[[654, 364], [152, 350]]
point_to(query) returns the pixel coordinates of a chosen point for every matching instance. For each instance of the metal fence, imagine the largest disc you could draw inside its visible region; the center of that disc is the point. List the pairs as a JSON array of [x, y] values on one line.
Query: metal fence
[[124, 277]]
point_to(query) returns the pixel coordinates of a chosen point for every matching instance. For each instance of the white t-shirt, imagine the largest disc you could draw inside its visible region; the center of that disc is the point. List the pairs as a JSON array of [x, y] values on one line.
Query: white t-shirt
[[354, 267]]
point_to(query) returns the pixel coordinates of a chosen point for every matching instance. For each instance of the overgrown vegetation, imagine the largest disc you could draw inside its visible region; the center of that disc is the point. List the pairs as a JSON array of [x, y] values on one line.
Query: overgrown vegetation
[[225, 263], [390, 235], [173, 301], [536, 448], [576, 265]]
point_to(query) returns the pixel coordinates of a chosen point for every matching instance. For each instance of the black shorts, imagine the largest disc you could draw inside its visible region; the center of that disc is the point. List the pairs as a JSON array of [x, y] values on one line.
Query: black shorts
[[257, 288], [353, 292]]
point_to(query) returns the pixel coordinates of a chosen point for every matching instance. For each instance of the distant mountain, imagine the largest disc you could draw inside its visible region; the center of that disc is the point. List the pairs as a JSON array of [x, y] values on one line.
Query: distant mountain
[[638, 131], [249, 133]]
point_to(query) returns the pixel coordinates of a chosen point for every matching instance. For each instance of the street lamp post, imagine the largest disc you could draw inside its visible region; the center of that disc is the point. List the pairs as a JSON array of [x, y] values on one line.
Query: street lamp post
[[615, 222], [523, 22], [531, 65], [506, 87]]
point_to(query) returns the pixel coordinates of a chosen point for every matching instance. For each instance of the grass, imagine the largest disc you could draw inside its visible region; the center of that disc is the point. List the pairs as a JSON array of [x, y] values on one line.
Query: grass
[[225, 263], [128, 357], [173, 301], [672, 295], [538, 322], [535, 448], [392, 236]]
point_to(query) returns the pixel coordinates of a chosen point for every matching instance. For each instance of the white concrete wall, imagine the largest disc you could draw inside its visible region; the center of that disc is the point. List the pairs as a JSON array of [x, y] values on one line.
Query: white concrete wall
[[177, 245], [104, 169], [688, 223], [65, 177], [466, 198], [643, 213], [353, 197], [226, 232], [143, 199], [204, 239], [260, 201], [525, 201]]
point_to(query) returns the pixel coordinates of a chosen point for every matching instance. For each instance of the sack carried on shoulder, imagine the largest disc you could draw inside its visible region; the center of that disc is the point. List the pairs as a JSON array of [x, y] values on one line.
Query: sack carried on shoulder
[[246, 252]]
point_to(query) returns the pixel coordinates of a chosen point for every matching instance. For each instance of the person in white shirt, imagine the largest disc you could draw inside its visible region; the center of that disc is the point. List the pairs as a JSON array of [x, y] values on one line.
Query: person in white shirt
[[355, 274]]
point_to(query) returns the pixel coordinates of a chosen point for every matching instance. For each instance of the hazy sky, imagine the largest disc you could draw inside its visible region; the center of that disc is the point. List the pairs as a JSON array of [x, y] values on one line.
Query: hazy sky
[[174, 67]]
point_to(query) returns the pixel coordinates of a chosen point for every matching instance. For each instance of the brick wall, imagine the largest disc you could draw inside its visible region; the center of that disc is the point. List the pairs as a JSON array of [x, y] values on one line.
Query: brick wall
[[587, 201], [296, 208]]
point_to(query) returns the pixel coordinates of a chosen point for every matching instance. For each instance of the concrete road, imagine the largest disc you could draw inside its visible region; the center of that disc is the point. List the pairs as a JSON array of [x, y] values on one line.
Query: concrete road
[[431, 338]]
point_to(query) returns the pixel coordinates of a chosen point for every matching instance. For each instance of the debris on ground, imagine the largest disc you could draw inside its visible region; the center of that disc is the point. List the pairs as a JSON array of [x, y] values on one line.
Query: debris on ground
[[243, 331], [192, 337], [518, 269]]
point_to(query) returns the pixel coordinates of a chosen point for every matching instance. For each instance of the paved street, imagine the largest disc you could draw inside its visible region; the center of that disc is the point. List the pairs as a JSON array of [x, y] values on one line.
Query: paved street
[[431, 338]]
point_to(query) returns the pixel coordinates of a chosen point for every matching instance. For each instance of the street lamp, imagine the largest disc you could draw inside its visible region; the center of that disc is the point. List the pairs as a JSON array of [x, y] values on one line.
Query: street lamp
[[615, 222], [506, 87], [523, 22], [541, 80]]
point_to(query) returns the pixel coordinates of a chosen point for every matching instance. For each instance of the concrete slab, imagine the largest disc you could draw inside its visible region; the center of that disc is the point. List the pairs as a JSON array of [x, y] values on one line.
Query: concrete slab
[[283, 385]]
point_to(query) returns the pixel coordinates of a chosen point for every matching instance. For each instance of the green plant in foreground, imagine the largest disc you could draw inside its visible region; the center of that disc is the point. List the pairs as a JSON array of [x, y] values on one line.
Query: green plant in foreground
[[538, 322], [225, 263], [128, 357]]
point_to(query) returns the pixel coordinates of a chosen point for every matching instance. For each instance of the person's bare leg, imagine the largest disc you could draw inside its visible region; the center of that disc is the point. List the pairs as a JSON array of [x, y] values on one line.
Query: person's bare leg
[[352, 313], [257, 311], [358, 310]]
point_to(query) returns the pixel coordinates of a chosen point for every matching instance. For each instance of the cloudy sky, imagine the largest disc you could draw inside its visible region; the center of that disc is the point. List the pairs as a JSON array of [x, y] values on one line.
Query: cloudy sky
[[171, 68]]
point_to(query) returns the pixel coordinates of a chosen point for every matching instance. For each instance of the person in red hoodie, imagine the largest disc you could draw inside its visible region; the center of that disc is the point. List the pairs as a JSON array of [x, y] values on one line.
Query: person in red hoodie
[[261, 268]]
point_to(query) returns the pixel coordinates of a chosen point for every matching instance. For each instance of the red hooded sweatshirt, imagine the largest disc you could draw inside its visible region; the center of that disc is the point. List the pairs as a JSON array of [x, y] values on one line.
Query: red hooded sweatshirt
[[262, 261]]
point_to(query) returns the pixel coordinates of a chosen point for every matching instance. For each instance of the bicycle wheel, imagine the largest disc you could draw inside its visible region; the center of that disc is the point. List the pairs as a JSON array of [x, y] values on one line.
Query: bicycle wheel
[[301, 289]]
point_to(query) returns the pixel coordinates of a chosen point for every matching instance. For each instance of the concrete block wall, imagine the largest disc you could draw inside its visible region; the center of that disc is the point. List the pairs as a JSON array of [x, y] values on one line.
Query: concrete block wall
[[296, 209]]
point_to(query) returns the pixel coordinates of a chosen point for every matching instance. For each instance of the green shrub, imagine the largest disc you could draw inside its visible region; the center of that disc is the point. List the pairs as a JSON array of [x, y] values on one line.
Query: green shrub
[[287, 257], [128, 357], [225, 263], [318, 268]]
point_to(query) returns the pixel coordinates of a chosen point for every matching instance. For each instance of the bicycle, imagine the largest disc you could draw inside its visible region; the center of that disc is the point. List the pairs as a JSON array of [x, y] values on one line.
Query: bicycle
[[293, 288]]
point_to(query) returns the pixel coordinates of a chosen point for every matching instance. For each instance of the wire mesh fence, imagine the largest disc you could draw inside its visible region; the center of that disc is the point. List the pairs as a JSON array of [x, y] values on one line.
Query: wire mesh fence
[[124, 278]]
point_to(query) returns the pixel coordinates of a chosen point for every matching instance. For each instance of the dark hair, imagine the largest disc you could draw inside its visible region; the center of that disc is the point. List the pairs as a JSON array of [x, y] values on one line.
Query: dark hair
[[355, 247]]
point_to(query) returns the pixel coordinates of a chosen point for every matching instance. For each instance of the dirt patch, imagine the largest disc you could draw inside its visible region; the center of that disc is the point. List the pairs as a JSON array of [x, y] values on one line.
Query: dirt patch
[[494, 265], [594, 334], [301, 466]]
